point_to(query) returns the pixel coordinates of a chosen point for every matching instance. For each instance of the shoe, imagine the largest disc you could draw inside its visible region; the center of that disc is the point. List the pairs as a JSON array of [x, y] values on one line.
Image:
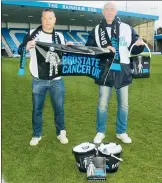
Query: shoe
[[62, 137], [124, 137], [98, 138], [34, 141]]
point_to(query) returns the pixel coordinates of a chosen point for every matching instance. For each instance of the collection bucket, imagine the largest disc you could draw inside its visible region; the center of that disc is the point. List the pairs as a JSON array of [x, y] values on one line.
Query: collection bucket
[[112, 153], [140, 64], [82, 153]]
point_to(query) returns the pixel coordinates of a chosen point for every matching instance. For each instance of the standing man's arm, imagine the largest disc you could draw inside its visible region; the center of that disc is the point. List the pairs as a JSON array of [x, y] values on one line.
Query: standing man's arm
[[139, 43], [91, 39]]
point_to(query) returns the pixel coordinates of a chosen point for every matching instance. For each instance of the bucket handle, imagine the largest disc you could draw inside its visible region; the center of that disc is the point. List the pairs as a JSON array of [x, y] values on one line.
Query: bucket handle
[[145, 46], [120, 159], [112, 155]]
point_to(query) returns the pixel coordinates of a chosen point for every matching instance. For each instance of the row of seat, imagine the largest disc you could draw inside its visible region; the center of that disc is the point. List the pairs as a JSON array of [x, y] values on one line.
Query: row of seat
[[14, 37]]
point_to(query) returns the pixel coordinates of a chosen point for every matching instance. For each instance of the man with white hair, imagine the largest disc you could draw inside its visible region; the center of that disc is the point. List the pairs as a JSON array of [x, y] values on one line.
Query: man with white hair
[[118, 37]]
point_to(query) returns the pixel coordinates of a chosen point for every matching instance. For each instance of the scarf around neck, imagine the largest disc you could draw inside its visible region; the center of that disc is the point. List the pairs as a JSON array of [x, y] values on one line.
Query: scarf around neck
[[105, 40], [34, 35]]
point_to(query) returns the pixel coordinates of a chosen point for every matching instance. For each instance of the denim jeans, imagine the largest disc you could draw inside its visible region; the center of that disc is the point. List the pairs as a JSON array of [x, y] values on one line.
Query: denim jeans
[[122, 111], [56, 91]]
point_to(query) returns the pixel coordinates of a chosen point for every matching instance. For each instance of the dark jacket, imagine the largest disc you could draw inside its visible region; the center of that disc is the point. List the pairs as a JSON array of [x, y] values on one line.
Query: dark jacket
[[116, 78]]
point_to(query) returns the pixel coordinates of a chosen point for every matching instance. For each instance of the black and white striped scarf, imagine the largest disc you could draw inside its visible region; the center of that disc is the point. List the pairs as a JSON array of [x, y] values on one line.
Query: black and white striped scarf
[[22, 48], [104, 39]]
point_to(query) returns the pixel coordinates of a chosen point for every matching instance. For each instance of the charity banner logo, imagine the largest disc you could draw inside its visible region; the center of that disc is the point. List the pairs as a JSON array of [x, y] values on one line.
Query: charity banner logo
[[60, 60]]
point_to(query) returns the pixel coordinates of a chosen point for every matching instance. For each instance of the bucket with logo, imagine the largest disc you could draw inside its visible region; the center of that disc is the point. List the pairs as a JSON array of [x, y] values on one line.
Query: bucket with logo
[[112, 153], [140, 64], [82, 153]]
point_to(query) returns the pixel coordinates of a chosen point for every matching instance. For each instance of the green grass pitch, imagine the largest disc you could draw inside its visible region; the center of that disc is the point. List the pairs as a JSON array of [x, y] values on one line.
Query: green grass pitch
[[52, 162]]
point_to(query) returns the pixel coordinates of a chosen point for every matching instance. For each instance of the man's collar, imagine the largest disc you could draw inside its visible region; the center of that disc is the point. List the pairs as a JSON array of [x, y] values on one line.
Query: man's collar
[[109, 25]]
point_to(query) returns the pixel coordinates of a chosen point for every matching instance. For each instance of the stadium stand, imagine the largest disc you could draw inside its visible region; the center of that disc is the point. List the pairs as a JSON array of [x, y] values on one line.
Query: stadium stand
[[73, 21], [14, 37], [9, 40]]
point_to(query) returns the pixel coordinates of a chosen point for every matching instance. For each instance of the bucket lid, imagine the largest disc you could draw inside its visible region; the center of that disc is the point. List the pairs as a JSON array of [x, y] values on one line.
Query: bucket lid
[[84, 147], [110, 148]]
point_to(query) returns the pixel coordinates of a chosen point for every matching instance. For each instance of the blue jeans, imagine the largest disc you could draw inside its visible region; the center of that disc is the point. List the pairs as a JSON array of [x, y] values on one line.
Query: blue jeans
[[122, 111], [56, 91]]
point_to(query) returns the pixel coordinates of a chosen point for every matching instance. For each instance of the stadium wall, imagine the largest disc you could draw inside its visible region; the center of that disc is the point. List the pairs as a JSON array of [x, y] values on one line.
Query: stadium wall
[[146, 31]]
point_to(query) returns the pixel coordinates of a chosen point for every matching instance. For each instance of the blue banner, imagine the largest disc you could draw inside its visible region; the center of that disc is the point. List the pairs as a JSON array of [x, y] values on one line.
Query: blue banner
[[60, 60]]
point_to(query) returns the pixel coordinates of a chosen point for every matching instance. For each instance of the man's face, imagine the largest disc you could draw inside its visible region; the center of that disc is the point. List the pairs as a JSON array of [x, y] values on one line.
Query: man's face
[[48, 20], [109, 12]]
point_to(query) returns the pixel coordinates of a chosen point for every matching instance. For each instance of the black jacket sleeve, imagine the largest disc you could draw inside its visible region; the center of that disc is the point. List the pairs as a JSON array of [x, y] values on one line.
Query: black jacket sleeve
[[135, 49], [24, 43], [91, 39]]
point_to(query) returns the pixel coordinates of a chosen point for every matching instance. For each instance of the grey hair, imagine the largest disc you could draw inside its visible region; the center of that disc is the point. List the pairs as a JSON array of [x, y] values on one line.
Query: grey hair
[[109, 2]]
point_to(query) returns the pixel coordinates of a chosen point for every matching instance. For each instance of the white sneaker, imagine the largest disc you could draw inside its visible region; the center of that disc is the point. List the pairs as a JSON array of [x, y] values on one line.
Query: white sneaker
[[98, 138], [34, 141], [62, 137], [124, 137]]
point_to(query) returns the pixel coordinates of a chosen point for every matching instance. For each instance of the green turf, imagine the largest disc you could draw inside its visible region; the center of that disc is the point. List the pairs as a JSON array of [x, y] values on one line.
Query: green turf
[[51, 162]]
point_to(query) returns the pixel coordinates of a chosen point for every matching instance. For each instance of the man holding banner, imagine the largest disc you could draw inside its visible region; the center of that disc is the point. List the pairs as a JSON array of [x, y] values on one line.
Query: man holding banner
[[44, 33], [118, 37]]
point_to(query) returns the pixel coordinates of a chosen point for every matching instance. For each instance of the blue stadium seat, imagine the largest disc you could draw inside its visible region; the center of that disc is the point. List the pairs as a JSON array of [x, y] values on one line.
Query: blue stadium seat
[[20, 36], [77, 37], [7, 37], [2, 46]]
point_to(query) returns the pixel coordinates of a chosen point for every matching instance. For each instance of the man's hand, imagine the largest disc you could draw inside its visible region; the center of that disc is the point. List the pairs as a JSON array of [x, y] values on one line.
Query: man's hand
[[111, 48], [139, 42], [30, 44], [69, 43]]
